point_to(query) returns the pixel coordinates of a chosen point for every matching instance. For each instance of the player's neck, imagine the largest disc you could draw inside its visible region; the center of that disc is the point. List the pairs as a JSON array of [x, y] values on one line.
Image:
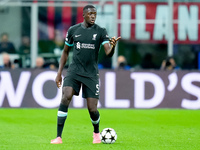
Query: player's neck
[[86, 25]]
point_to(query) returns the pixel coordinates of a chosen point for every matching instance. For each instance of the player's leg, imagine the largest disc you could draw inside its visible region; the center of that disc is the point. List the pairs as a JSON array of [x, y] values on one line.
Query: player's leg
[[95, 118], [90, 91], [68, 92], [94, 113], [70, 87]]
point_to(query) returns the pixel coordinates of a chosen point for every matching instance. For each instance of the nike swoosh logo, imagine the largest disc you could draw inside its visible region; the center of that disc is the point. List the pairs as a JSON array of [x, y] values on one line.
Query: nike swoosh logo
[[77, 35]]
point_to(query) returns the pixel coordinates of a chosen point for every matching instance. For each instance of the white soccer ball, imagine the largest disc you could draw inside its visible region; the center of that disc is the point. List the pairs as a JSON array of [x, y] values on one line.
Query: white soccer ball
[[108, 136]]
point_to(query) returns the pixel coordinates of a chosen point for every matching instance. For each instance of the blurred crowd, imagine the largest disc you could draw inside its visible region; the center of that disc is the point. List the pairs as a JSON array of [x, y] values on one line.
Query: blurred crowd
[[7, 49], [14, 58]]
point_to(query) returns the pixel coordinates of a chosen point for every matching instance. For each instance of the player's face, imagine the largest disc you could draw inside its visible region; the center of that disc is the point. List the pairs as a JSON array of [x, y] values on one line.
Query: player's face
[[90, 16]]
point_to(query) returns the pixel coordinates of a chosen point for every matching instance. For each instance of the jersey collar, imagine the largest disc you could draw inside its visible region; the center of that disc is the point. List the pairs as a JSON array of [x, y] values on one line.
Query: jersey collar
[[88, 27]]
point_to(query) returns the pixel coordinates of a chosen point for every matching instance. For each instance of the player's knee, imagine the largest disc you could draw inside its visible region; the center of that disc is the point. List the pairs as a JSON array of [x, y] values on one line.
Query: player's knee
[[92, 105], [66, 100], [92, 109]]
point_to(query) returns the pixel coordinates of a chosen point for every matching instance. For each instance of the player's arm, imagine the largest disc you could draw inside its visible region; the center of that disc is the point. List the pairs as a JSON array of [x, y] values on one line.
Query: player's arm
[[62, 63], [110, 47]]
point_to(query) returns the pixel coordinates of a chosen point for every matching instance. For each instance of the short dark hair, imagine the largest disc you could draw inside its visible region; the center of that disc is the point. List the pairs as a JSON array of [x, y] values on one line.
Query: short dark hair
[[88, 6]]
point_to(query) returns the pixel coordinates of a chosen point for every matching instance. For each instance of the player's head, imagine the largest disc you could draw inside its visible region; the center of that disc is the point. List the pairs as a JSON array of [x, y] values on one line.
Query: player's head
[[89, 14]]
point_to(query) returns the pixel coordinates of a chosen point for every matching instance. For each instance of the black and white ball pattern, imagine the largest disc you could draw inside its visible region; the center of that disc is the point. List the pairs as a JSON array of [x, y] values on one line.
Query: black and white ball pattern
[[108, 136]]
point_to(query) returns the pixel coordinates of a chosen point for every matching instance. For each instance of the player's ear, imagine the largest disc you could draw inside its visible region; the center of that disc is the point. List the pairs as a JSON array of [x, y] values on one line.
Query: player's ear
[[84, 14]]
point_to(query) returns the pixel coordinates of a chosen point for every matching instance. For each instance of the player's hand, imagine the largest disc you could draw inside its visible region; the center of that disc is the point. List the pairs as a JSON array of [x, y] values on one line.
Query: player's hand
[[58, 80], [113, 41]]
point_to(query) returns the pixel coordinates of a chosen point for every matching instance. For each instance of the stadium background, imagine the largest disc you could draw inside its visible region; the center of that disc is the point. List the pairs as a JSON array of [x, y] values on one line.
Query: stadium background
[[146, 27], [148, 108]]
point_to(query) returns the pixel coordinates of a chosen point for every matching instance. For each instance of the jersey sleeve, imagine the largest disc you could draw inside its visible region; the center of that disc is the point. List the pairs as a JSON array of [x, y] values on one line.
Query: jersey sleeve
[[69, 38], [105, 37]]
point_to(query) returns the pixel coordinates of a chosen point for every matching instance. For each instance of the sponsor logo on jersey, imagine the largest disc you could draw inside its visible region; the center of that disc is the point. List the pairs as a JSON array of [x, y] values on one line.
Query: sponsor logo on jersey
[[94, 36], [78, 45], [84, 46], [87, 46]]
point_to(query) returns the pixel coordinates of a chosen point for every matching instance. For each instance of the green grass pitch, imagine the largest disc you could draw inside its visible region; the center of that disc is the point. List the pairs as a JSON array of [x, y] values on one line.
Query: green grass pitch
[[137, 129]]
